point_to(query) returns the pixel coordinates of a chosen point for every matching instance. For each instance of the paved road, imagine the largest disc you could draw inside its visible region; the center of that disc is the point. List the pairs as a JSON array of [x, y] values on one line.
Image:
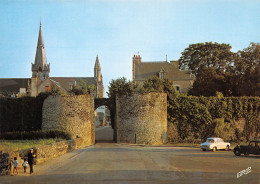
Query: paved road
[[122, 163], [104, 134]]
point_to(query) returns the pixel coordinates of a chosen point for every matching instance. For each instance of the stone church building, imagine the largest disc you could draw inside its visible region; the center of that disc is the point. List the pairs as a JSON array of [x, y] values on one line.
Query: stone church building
[[182, 79], [41, 80]]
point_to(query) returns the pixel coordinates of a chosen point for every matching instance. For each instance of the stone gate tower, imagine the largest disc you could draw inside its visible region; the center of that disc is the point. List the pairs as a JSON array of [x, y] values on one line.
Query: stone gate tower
[[40, 69]]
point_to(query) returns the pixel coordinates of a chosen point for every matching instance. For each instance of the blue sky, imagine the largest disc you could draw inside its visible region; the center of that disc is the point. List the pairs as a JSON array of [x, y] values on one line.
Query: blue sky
[[74, 32]]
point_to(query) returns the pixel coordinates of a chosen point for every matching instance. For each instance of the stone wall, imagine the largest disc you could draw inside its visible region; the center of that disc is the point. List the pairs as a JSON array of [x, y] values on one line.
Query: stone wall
[[74, 114], [44, 153], [5, 164], [141, 119], [51, 151]]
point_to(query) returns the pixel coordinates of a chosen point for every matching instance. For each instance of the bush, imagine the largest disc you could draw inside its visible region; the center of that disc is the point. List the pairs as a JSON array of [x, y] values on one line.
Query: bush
[[21, 114], [224, 130], [35, 135]]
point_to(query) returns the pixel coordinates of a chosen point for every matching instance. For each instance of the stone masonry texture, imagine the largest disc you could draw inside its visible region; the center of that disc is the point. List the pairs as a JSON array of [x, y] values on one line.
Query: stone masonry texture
[[5, 164], [141, 118], [74, 114]]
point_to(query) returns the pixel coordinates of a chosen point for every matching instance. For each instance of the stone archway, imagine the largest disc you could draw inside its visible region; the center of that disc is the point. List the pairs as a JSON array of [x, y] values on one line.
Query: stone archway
[[99, 102], [102, 101]]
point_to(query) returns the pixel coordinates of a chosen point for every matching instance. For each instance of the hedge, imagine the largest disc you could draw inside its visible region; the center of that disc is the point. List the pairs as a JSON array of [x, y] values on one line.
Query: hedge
[[200, 115], [35, 135], [21, 114]]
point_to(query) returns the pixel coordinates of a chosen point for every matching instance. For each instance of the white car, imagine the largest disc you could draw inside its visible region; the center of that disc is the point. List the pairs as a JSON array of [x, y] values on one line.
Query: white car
[[214, 144]]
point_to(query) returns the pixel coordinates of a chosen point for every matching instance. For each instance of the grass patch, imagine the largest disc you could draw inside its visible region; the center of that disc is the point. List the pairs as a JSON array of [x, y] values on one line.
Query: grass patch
[[17, 145], [36, 135]]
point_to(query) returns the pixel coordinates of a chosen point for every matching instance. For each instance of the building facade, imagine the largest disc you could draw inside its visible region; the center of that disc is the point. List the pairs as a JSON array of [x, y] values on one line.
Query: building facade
[[41, 81], [182, 79]]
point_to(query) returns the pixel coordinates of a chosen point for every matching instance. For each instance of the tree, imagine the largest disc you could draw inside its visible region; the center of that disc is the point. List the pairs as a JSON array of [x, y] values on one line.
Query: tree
[[207, 55], [118, 87], [57, 90], [210, 63], [83, 88], [246, 80]]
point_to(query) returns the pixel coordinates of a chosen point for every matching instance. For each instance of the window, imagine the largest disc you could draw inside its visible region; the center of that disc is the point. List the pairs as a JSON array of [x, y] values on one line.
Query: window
[[162, 75], [178, 88]]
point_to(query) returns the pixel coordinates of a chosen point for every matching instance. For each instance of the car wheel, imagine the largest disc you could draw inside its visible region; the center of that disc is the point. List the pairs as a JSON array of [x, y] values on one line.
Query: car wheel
[[237, 152], [214, 149], [203, 149], [227, 148]]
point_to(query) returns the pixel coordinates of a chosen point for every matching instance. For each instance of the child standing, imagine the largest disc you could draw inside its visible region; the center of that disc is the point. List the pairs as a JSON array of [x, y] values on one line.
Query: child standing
[[25, 165], [15, 165]]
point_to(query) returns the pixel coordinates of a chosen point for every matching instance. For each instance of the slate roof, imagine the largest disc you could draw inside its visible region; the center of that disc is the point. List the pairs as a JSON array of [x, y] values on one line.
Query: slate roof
[[144, 70], [65, 81], [13, 85]]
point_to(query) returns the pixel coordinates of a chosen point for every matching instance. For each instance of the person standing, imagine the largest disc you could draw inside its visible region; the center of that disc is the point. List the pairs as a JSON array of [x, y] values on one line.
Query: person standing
[[15, 165], [31, 157], [25, 165]]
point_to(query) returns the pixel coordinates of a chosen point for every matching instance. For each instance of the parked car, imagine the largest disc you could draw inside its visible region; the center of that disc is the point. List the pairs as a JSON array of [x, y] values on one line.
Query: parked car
[[214, 144], [252, 148]]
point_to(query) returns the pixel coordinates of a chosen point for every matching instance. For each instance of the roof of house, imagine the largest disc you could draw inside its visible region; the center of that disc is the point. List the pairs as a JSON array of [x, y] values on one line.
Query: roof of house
[[13, 85], [66, 81], [144, 70]]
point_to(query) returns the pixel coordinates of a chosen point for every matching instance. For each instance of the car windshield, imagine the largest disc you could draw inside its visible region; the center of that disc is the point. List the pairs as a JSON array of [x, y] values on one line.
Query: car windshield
[[210, 140]]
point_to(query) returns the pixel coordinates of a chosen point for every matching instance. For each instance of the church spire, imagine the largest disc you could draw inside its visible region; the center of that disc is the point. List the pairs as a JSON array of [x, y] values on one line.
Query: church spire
[[40, 62], [97, 65], [97, 70], [40, 57]]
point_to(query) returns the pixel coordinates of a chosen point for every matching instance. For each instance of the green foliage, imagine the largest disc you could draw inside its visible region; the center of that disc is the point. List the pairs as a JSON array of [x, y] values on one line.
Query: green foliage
[[246, 71], [118, 87], [57, 90], [35, 135], [252, 127], [200, 115], [17, 145], [197, 117], [223, 129], [217, 69], [201, 56], [21, 114], [83, 89]]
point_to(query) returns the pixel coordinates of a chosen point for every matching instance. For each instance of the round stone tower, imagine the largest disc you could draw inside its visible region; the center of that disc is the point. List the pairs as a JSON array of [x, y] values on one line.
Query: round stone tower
[[141, 118]]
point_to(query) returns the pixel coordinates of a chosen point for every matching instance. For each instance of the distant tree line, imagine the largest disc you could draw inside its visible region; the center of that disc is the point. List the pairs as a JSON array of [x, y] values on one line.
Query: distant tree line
[[218, 69]]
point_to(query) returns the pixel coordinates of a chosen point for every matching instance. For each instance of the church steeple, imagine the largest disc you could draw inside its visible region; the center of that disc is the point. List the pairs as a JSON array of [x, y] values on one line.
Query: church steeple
[[97, 70], [40, 69], [97, 65], [40, 62], [99, 80]]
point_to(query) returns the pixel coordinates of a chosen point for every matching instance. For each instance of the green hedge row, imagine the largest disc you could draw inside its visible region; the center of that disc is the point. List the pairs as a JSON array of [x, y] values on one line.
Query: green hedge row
[[35, 135], [199, 114], [21, 114]]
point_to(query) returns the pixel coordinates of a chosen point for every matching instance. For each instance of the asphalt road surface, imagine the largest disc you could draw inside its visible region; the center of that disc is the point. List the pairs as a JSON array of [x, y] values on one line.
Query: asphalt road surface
[[123, 163]]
